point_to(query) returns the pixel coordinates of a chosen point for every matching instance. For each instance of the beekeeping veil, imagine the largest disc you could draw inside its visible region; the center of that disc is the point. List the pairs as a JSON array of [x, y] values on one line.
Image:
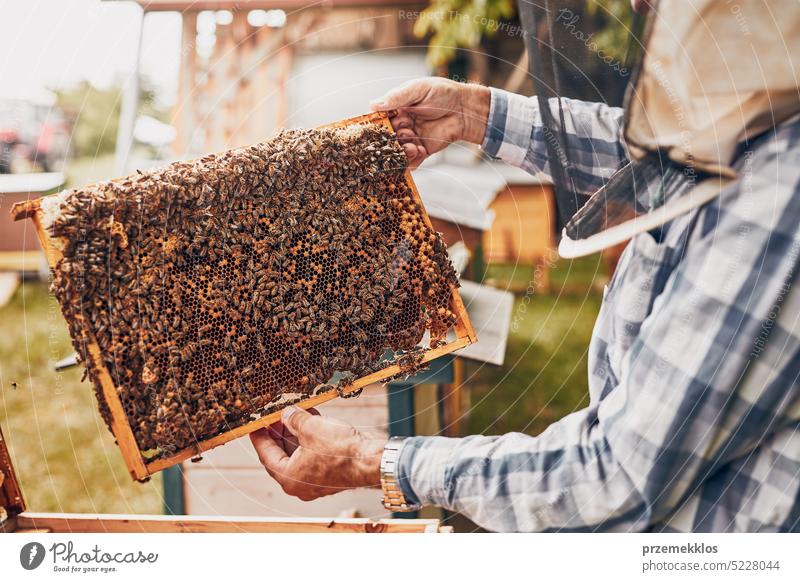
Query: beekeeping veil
[[713, 74]]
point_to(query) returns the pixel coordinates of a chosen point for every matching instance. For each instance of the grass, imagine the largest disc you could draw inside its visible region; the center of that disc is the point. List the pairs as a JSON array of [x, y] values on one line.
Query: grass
[[65, 456], [545, 373]]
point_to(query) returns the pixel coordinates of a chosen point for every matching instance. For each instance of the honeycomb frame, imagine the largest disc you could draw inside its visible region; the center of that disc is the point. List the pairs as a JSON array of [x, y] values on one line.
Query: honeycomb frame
[[139, 466]]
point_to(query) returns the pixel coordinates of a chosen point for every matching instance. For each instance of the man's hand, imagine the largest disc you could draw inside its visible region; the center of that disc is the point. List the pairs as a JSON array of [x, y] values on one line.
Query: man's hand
[[311, 456], [434, 112]]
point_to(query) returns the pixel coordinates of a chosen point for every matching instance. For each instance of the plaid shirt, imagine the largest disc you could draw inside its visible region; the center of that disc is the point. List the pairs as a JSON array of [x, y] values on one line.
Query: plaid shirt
[[694, 365]]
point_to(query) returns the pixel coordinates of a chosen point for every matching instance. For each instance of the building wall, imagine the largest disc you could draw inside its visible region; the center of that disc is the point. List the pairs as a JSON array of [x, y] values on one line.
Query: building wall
[[523, 225], [251, 81], [334, 85]]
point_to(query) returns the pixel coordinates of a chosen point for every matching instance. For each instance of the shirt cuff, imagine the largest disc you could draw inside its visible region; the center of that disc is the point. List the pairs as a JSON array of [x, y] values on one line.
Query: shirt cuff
[[512, 119], [423, 467]]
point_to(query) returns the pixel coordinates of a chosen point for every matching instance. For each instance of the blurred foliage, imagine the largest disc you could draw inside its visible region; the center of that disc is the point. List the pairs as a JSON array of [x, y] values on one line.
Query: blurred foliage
[[455, 24], [94, 113], [614, 36]]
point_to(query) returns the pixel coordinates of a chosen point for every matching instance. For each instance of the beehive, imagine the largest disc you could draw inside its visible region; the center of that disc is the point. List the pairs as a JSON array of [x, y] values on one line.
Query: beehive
[[206, 296]]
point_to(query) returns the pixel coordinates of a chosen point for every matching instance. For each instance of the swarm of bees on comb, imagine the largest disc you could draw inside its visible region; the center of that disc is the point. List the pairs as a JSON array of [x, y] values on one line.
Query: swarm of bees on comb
[[218, 288]]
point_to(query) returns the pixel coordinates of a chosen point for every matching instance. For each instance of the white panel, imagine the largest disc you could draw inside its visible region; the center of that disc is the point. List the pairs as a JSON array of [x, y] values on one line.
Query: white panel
[[251, 492], [459, 194], [331, 86], [489, 311], [33, 183]]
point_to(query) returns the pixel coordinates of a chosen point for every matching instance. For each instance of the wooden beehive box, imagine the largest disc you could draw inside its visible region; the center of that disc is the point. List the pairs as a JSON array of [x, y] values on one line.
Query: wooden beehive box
[[142, 461], [15, 518]]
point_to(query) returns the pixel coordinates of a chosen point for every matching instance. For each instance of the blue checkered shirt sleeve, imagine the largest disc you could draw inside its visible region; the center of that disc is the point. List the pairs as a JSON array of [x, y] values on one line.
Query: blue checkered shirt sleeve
[[685, 430], [515, 135]]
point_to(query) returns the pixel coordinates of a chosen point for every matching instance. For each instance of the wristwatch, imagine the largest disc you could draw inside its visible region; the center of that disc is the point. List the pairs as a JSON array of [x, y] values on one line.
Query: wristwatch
[[393, 498]]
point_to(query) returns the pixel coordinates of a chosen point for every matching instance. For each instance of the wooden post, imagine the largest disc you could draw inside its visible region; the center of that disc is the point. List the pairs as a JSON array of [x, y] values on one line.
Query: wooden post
[[185, 108], [285, 57], [217, 90], [230, 85], [129, 108], [261, 87], [236, 110], [246, 130], [10, 495], [452, 402]]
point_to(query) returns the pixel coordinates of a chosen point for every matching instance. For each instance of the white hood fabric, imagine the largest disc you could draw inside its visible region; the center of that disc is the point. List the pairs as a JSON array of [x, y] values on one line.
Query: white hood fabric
[[714, 73]]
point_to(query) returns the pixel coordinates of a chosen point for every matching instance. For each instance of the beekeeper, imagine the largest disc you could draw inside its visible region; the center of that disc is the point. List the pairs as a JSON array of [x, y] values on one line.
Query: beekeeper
[[694, 364]]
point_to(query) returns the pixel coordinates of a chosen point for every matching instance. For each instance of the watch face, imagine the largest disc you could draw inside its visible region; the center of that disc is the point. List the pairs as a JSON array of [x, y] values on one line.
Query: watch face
[[393, 498]]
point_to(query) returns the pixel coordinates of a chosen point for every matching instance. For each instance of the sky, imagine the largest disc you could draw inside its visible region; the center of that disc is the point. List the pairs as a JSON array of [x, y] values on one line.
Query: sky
[[58, 43]]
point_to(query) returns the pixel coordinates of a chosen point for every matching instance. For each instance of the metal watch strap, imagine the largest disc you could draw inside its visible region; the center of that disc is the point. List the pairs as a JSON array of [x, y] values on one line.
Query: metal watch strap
[[393, 498]]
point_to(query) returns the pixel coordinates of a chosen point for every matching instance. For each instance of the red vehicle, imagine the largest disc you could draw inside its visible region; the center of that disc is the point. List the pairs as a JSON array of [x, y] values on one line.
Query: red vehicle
[[8, 137], [32, 135]]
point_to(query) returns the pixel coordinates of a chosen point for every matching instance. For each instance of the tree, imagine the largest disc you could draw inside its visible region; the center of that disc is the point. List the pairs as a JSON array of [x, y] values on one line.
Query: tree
[[455, 24], [596, 41]]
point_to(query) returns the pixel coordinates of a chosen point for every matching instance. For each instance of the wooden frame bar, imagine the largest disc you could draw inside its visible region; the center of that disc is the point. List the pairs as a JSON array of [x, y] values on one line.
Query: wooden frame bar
[[288, 5], [11, 500], [138, 466], [111, 523], [14, 518]]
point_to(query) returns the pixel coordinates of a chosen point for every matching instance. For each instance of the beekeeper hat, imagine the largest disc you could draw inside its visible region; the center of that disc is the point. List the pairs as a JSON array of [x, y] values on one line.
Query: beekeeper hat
[[713, 74]]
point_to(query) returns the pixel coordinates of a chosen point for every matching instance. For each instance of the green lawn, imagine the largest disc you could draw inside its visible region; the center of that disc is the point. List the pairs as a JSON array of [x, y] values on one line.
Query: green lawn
[[544, 376], [65, 457]]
